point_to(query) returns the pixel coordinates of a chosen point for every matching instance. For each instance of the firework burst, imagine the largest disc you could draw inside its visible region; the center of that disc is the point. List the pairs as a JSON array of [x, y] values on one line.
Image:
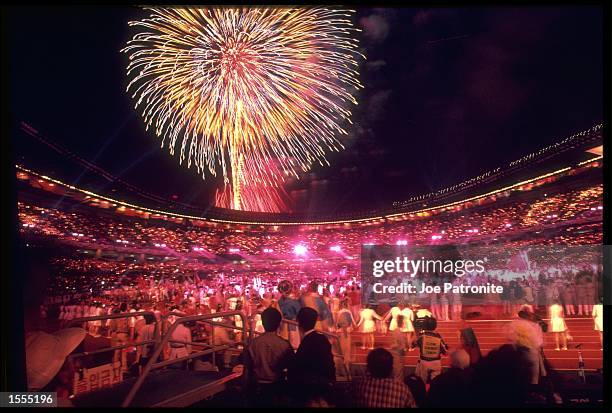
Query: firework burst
[[243, 87]]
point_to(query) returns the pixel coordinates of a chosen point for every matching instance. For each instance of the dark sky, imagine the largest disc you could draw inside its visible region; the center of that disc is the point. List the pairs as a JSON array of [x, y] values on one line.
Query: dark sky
[[449, 94]]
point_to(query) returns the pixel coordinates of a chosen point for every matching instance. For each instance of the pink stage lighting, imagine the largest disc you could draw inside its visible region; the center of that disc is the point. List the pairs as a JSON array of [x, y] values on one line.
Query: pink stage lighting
[[234, 250], [335, 248], [300, 250], [402, 242]]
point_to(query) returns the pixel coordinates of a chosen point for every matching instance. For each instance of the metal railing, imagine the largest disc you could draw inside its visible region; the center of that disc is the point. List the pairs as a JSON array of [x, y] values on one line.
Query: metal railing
[[163, 337], [207, 319], [81, 320]]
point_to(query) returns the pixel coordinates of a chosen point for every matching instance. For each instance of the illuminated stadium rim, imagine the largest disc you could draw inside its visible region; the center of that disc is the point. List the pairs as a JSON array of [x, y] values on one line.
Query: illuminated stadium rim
[[360, 220]]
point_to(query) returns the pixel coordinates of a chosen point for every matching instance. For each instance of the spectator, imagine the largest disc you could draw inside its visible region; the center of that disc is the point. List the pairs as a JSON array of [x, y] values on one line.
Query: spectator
[[452, 388], [527, 335], [312, 371], [180, 338], [502, 378], [380, 389], [266, 359], [119, 330]]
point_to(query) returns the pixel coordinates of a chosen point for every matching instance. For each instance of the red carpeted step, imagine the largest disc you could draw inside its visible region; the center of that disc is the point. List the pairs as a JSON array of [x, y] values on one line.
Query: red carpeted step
[[492, 334]]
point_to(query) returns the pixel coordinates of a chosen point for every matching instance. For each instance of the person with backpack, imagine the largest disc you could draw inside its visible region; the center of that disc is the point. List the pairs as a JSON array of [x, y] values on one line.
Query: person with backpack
[[431, 348]]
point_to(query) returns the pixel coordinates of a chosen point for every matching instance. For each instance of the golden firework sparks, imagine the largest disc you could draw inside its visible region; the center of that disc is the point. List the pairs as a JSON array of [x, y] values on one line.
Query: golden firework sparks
[[240, 87]]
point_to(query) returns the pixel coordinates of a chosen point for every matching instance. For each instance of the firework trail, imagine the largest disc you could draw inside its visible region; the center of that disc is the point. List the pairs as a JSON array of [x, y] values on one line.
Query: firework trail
[[239, 87]]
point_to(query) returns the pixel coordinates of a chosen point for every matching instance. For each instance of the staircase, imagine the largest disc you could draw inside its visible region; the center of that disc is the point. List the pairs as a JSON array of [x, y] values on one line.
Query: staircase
[[491, 334]]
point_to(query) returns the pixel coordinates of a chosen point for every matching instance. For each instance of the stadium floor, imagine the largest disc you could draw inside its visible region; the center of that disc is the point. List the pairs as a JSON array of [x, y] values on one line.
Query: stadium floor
[[491, 334]]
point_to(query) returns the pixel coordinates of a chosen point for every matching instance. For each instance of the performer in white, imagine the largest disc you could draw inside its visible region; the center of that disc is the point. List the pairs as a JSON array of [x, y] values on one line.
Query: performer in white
[[557, 324], [393, 313], [394, 326], [598, 319], [408, 326], [367, 323]]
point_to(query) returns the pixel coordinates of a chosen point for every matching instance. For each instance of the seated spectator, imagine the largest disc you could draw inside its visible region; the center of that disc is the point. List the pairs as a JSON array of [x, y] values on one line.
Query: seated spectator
[[313, 371], [266, 359], [417, 388], [502, 378], [380, 389], [451, 388]]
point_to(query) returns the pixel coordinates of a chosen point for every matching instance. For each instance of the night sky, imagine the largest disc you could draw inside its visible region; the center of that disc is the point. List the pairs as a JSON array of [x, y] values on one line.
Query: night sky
[[449, 94]]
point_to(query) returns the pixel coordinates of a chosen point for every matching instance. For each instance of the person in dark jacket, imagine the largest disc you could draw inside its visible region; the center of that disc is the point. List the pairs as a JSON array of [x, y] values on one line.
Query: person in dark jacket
[[312, 372]]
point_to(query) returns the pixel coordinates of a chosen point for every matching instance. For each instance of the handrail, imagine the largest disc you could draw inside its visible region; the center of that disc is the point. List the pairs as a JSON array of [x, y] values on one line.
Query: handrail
[[104, 350], [158, 349], [109, 317]]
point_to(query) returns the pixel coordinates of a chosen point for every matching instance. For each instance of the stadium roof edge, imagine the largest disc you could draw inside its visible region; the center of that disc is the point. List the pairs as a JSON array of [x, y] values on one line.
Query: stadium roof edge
[[364, 219]]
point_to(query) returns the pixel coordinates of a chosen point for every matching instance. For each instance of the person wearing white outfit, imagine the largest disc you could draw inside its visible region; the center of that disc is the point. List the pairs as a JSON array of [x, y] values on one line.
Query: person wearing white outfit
[[557, 324], [367, 322], [443, 299], [393, 313], [407, 326], [598, 319], [394, 326]]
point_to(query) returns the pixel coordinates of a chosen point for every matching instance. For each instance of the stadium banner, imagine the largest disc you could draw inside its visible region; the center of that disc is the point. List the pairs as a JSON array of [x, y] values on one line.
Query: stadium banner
[[96, 378], [482, 275]]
